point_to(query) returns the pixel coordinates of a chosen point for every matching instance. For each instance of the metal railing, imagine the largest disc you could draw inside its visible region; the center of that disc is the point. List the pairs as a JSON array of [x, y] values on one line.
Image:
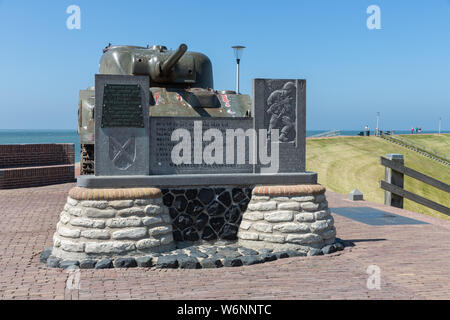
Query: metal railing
[[417, 147], [331, 133]]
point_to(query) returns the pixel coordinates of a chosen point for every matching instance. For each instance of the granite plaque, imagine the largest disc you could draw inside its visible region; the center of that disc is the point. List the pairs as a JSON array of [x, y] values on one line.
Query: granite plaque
[[196, 145], [121, 125], [280, 104]]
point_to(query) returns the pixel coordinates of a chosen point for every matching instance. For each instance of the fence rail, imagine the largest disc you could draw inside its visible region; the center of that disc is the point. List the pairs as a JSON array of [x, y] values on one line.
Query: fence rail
[[393, 186]]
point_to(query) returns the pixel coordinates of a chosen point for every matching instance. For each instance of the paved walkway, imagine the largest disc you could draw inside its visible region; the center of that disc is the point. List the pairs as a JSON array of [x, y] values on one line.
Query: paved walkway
[[414, 261]]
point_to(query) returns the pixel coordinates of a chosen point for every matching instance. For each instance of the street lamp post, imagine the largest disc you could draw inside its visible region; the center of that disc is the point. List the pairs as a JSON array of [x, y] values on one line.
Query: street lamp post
[[378, 130], [440, 119], [238, 55]]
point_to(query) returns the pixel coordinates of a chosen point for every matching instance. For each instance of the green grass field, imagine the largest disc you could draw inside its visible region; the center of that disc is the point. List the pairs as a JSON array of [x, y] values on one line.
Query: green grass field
[[345, 163], [433, 142]]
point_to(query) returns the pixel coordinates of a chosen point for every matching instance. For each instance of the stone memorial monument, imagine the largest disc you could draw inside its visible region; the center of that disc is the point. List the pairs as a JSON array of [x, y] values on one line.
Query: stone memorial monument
[[121, 125], [281, 105], [294, 216], [186, 176]]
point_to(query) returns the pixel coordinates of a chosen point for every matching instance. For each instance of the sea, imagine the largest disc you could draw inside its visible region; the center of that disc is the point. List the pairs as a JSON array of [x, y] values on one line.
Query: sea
[[19, 136]]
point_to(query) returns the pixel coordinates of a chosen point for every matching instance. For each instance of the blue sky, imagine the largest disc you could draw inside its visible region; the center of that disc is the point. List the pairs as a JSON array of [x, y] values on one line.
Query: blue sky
[[401, 71]]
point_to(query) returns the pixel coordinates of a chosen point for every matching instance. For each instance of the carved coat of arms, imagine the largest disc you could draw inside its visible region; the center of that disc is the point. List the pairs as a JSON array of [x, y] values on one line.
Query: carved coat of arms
[[122, 151]]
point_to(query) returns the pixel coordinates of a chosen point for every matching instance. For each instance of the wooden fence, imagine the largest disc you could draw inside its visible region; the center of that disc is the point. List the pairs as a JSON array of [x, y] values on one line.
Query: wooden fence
[[393, 186]]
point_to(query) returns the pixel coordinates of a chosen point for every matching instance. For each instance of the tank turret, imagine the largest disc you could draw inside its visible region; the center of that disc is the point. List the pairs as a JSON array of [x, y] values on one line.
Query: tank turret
[[165, 68]]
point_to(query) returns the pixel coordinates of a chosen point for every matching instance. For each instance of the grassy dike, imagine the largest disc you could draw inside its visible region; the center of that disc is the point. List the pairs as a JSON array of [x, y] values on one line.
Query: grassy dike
[[345, 163], [433, 142]]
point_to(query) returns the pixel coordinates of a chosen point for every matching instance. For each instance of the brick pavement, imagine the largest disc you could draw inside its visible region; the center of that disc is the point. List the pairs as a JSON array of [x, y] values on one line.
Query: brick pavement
[[414, 262]]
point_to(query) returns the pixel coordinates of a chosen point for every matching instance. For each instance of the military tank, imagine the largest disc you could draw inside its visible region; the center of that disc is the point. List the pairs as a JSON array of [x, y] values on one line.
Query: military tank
[[181, 85]]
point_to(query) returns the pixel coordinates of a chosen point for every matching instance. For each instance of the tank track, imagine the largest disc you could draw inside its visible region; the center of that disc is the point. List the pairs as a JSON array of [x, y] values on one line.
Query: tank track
[[87, 159]]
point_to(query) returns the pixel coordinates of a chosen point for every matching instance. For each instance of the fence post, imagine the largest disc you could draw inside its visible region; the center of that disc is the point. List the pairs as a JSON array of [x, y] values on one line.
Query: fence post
[[395, 178]]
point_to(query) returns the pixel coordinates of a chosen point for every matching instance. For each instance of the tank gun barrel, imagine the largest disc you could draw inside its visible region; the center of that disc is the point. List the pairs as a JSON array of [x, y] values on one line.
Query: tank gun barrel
[[173, 59]]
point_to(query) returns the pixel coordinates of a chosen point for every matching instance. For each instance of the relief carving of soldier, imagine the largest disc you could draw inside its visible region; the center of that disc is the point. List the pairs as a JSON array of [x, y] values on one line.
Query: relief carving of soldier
[[281, 110]]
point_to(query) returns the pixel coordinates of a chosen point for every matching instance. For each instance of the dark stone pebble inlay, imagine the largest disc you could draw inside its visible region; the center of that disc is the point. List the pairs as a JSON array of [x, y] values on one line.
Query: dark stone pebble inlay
[[189, 255]]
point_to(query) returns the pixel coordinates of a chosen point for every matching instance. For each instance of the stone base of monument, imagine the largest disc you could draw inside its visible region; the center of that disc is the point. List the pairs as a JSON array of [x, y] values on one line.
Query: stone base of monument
[[110, 223], [292, 217], [135, 227]]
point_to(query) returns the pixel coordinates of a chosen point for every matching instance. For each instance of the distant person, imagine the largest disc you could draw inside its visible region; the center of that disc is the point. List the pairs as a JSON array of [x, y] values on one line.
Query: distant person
[[367, 130], [412, 130]]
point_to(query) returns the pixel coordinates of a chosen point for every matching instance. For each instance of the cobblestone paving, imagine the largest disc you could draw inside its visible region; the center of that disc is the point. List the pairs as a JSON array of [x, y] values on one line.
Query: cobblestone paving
[[414, 261]]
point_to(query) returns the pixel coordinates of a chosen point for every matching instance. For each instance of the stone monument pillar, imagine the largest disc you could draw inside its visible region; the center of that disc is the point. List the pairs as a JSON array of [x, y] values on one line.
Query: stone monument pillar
[[112, 223], [285, 217], [99, 223], [293, 217]]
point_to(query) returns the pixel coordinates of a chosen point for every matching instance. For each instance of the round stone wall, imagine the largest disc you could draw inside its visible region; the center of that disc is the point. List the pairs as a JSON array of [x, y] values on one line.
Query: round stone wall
[[98, 223], [287, 218]]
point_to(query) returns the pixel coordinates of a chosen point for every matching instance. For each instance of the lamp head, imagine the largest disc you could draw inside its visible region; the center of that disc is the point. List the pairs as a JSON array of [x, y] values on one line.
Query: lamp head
[[238, 50]]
